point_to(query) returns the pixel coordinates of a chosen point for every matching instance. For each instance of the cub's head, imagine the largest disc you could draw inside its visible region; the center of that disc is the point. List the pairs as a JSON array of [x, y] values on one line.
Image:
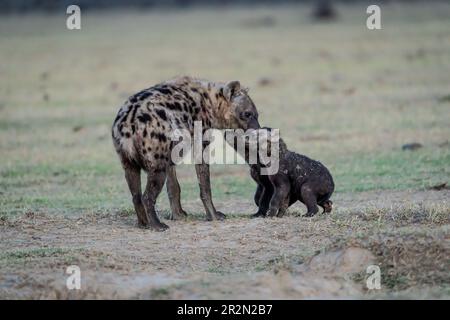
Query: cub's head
[[263, 139], [241, 112]]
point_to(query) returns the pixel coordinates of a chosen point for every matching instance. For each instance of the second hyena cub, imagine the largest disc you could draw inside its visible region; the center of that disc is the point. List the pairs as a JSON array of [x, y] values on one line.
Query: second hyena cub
[[299, 178]]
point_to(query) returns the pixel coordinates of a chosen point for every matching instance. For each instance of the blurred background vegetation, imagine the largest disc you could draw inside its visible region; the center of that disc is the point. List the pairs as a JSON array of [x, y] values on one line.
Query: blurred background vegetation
[[55, 5]]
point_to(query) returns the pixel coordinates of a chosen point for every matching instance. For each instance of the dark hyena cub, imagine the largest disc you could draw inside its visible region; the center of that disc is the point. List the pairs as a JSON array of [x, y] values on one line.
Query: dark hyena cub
[[298, 178], [144, 123]]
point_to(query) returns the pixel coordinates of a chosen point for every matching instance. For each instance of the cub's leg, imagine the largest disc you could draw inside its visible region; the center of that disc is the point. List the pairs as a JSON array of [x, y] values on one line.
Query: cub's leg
[[205, 192], [258, 193], [309, 199], [155, 183], [283, 207], [264, 200], [327, 206], [173, 191], [133, 177], [281, 192]]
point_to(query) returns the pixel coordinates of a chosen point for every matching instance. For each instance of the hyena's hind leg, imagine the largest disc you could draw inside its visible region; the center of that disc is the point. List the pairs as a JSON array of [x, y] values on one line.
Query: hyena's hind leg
[[173, 191], [155, 183], [133, 177]]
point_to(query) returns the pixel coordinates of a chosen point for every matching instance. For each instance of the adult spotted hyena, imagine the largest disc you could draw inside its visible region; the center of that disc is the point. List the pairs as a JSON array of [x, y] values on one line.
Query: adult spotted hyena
[[144, 124]]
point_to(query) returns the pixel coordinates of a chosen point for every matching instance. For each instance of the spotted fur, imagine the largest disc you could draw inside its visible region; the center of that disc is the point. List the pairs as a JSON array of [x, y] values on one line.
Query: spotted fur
[[141, 130]]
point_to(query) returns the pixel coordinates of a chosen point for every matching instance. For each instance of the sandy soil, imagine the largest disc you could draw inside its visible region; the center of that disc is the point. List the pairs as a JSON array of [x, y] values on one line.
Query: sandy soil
[[194, 259]]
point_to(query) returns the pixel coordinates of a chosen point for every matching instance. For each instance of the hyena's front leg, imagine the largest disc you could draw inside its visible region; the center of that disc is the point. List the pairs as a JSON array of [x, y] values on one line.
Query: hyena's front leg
[[173, 191], [205, 192]]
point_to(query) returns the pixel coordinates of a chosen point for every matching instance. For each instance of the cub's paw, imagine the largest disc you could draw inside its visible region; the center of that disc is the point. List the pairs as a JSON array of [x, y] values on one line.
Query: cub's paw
[[258, 215]]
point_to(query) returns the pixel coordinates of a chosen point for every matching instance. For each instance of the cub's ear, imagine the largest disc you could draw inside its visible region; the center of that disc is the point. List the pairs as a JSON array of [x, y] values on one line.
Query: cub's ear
[[231, 88]]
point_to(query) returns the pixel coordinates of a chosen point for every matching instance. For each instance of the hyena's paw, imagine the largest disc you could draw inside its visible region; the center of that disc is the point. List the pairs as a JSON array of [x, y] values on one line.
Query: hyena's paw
[[159, 227], [220, 216], [181, 215], [215, 216]]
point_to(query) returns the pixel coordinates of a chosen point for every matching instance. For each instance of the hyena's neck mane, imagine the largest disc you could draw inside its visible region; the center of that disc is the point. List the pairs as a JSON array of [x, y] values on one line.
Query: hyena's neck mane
[[217, 105]]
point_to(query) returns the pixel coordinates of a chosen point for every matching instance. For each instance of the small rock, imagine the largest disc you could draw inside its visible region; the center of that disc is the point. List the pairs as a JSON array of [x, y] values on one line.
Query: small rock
[[77, 128], [275, 61], [324, 88], [324, 11], [441, 186], [349, 91], [412, 146], [444, 99], [444, 144], [266, 21], [114, 86], [44, 75], [418, 54], [264, 82]]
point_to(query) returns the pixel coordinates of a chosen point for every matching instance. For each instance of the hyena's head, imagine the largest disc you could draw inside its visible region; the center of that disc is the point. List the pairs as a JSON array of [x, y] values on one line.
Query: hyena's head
[[241, 112]]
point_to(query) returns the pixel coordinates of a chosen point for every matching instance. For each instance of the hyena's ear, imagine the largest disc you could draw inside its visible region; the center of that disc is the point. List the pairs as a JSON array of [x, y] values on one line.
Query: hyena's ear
[[231, 88]]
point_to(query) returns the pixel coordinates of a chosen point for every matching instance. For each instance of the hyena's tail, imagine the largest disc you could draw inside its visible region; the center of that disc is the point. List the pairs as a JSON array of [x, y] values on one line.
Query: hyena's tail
[[123, 137]]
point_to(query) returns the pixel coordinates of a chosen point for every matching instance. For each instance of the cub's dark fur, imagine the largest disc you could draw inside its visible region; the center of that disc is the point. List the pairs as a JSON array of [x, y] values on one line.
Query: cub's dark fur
[[298, 178]]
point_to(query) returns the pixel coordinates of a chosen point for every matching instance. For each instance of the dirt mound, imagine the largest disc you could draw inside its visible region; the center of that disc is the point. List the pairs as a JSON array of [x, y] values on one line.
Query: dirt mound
[[325, 276], [409, 258], [341, 262]]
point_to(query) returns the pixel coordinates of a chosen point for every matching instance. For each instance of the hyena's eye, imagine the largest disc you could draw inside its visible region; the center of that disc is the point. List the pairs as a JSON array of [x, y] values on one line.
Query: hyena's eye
[[246, 115]]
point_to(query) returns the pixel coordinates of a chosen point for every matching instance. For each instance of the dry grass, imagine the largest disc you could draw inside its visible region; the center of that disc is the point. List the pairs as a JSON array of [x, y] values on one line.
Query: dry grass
[[435, 214]]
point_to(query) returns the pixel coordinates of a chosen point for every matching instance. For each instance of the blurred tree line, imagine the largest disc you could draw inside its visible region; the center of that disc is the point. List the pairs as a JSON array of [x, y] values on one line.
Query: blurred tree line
[[17, 6]]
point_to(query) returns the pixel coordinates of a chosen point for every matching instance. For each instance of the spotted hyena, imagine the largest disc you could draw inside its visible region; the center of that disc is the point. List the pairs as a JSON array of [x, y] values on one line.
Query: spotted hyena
[[145, 122]]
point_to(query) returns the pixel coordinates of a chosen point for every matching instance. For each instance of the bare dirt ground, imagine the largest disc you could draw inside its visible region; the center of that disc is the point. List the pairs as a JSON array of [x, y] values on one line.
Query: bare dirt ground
[[293, 257], [347, 96]]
